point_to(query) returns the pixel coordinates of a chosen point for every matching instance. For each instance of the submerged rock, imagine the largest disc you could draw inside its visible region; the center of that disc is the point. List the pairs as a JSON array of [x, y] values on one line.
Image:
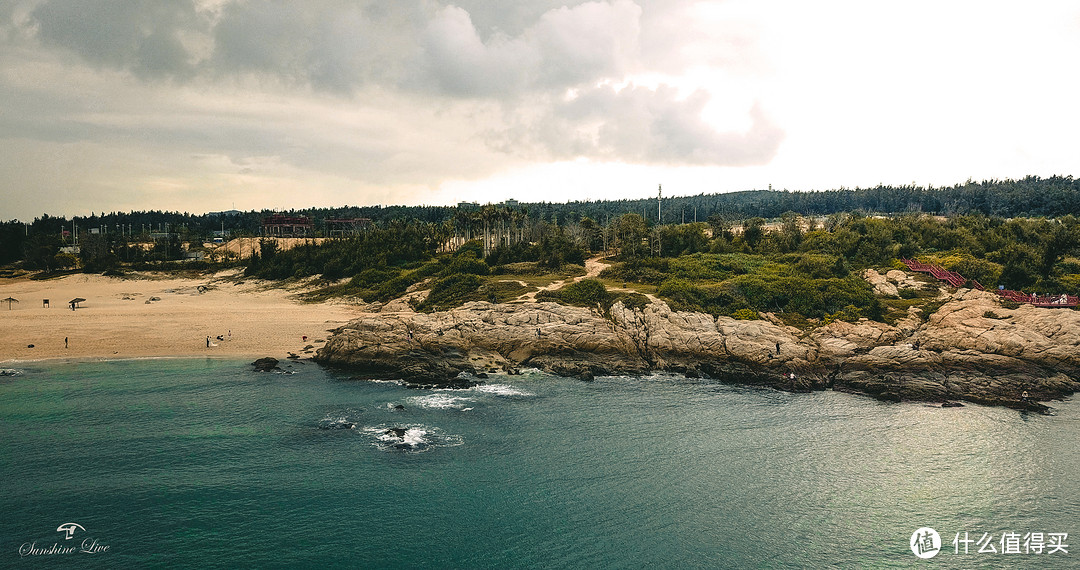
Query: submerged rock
[[265, 364], [396, 432], [337, 424]]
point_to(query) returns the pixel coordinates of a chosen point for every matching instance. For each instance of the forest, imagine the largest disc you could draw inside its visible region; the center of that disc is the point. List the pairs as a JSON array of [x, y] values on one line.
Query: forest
[[799, 254], [802, 267]]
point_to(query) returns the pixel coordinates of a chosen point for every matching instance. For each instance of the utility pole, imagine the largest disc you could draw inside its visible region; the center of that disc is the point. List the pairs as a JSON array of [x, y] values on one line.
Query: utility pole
[[659, 192]]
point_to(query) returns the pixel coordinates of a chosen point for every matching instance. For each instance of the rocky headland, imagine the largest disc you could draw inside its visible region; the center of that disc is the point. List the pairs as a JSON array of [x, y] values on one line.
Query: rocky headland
[[971, 348]]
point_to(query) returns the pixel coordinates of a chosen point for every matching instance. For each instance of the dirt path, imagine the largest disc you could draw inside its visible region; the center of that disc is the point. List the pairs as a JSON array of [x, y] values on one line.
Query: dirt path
[[593, 267]]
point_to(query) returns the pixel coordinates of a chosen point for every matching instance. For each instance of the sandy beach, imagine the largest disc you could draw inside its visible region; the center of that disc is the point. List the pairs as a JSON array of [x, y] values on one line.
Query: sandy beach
[[156, 315]]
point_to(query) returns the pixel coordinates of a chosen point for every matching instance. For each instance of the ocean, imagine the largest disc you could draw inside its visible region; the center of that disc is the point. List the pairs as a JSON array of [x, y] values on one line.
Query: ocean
[[202, 463]]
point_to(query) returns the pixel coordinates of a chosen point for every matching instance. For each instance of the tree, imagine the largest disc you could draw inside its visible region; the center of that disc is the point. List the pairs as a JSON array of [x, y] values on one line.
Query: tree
[[790, 231], [41, 250], [630, 234], [753, 231]]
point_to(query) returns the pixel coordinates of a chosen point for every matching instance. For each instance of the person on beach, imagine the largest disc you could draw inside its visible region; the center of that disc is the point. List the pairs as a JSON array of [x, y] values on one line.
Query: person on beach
[[207, 342], [65, 342]]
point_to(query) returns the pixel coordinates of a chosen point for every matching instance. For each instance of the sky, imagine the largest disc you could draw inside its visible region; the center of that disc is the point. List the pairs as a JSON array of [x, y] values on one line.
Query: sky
[[207, 105]]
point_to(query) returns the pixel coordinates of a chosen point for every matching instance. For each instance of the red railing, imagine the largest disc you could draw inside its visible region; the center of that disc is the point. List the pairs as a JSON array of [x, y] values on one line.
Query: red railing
[[956, 280]]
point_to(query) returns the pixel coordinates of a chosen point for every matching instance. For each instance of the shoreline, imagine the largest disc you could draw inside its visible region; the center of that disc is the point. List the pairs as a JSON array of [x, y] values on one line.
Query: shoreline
[[964, 355], [82, 359], [1014, 358]]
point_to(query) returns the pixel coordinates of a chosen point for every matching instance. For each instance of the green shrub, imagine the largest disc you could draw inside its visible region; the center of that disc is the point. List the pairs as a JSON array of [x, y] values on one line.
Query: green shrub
[[632, 300], [746, 315], [451, 291], [584, 293], [849, 313], [466, 264]]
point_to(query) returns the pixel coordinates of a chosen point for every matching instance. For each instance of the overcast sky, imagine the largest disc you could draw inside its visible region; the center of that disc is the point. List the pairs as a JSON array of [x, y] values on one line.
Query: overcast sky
[[203, 105]]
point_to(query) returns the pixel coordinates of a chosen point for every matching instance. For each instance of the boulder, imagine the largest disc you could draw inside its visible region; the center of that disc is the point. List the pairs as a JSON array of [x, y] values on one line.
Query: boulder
[[265, 364], [880, 283]]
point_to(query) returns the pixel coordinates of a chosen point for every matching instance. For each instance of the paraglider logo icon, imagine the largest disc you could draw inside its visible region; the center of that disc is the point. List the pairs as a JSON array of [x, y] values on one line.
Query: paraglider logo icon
[[69, 529], [925, 542]]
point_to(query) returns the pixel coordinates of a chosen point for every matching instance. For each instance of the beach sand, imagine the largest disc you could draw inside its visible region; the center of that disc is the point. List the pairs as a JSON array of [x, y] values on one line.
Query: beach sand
[[116, 321]]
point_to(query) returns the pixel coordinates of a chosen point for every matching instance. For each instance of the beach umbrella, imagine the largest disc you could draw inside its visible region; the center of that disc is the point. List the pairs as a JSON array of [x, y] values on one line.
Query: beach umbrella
[[9, 301], [76, 301]]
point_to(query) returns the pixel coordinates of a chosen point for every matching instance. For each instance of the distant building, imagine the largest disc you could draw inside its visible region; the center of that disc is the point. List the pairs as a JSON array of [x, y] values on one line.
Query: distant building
[[468, 205], [511, 203], [287, 226], [346, 226], [225, 213]]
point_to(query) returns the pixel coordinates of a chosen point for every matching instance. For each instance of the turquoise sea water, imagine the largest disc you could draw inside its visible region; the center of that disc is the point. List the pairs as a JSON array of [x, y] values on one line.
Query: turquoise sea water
[[207, 464]]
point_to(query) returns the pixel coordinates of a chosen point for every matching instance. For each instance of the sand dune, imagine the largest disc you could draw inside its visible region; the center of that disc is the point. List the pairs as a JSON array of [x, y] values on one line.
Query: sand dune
[[159, 316]]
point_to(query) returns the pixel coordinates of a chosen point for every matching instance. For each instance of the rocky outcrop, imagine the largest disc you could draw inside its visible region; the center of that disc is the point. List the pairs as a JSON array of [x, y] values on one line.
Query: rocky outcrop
[[970, 349], [891, 282]]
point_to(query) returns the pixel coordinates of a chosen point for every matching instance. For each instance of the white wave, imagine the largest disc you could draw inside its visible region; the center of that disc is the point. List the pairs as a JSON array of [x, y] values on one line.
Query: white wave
[[411, 438], [501, 390], [377, 381], [337, 421], [438, 401], [10, 372]]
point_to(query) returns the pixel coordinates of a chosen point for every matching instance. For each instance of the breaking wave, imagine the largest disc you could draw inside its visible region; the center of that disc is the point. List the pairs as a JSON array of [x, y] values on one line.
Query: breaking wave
[[439, 401], [501, 390], [411, 438]]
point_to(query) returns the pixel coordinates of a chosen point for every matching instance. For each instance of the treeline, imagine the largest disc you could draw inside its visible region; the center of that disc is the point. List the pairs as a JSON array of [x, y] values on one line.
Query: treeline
[[1029, 197]]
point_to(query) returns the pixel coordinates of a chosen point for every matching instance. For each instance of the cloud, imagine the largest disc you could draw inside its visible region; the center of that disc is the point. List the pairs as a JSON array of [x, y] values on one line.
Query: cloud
[[150, 39], [409, 93], [642, 125], [565, 47]]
